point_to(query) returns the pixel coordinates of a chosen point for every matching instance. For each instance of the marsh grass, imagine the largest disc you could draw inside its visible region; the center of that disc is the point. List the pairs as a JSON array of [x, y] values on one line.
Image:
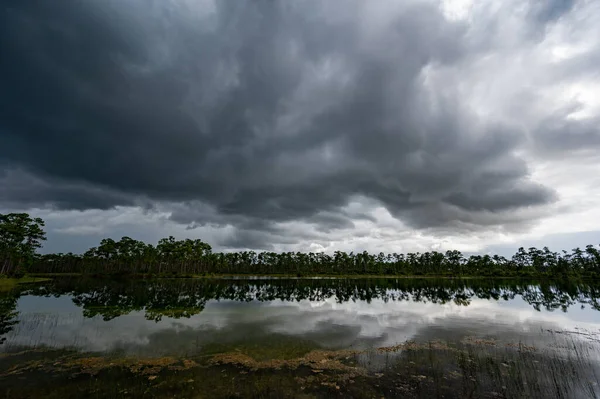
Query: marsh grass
[[565, 367], [8, 284], [481, 368]]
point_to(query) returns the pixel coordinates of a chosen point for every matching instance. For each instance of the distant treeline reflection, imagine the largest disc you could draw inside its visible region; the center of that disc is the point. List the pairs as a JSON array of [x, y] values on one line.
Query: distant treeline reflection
[[177, 298], [184, 298]]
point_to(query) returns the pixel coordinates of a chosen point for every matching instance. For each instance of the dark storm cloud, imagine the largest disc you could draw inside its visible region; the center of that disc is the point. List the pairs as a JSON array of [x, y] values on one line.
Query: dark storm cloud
[[255, 111], [22, 190]]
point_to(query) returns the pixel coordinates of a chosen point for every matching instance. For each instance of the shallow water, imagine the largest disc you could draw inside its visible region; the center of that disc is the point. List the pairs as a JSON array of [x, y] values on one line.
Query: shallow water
[[286, 319]]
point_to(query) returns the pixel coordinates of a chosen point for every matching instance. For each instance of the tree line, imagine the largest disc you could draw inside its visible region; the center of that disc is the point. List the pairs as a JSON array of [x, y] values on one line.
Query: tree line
[[21, 236]]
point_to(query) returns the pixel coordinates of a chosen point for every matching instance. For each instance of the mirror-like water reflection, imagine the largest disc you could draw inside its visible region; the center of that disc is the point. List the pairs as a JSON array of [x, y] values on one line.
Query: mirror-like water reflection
[[286, 319], [164, 317]]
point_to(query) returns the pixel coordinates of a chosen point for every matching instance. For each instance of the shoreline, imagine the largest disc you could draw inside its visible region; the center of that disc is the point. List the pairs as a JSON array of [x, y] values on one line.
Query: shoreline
[[9, 283]]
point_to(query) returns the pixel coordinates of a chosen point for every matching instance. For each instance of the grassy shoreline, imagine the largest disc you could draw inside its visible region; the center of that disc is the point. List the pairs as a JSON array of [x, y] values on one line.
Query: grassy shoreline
[[7, 284]]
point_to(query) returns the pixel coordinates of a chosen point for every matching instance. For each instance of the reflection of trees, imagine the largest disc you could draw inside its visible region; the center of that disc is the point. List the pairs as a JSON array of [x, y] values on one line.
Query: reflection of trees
[[184, 298], [110, 299], [177, 298], [8, 313]]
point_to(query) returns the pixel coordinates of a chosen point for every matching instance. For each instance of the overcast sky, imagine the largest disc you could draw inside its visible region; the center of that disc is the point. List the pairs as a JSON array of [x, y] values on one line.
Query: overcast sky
[[316, 125]]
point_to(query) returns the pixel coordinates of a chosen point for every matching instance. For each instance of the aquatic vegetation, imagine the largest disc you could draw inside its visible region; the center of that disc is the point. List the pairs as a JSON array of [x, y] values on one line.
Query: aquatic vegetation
[[472, 368], [8, 284], [317, 361], [76, 364]]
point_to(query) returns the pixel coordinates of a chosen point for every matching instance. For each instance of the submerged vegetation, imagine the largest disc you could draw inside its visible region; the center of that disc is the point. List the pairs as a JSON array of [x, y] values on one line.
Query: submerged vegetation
[[21, 235], [471, 368]]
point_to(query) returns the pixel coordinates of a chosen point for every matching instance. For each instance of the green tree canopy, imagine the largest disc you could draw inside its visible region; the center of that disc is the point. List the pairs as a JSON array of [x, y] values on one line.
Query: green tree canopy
[[20, 236]]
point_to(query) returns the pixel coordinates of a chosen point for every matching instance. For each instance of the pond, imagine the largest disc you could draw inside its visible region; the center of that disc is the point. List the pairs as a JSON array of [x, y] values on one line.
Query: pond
[[300, 338]]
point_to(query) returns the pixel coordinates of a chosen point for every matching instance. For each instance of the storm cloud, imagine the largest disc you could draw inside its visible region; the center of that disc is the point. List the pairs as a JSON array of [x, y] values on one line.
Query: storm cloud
[[261, 114]]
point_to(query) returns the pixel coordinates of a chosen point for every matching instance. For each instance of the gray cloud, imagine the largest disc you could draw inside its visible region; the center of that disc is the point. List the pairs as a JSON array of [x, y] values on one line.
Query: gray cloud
[[560, 136], [22, 189], [253, 113]]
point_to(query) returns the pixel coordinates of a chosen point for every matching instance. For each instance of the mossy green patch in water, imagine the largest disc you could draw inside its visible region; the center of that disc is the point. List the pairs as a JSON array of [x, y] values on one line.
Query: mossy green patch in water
[[8, 284]]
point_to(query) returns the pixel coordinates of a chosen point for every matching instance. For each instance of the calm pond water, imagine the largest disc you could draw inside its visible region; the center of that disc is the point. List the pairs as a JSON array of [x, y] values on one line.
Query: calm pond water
[[389, 337]]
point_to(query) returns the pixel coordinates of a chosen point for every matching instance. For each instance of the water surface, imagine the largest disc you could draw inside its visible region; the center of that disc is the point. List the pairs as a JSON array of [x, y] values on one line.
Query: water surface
[[286, 319]]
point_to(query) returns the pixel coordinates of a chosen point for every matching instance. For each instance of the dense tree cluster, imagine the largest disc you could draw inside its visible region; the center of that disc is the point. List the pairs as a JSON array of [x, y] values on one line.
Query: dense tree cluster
[[189, 257], [23, 235], [20, 237]]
